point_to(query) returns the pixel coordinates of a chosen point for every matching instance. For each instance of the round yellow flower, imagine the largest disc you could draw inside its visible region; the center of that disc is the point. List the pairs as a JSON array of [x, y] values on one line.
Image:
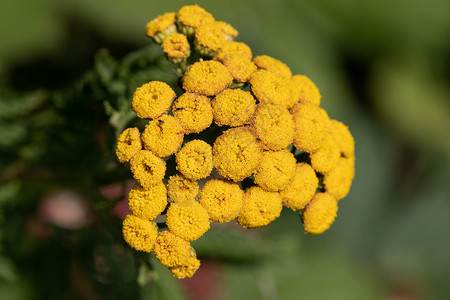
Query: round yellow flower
[[305, 90], [163, 136], [152, 100], [148, 203], [301, 189], [338, 181], [320, 213], [189, 220], [176, 47], [192, 16], [240, 67], [260, 208], [233, 107], [193, 111], [222, 199], [181, 189], [234, 48], [161, 27], [273, 125], [194, 160], [209, 38], [270, 87], [236, 153], [128, 144], [273, 65], [207, 78], [343, 137], [276, 170], [171, 250], [140, 234], [326, 158], [187, 270], [311, 125], [228, 30], [147, 168]]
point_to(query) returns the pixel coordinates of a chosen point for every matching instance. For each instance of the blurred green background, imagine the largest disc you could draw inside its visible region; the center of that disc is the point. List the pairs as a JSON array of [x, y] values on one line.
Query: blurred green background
[[383, 68]]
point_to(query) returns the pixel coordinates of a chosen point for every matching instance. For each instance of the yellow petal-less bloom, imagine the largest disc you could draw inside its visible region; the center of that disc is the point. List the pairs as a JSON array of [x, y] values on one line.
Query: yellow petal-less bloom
[[181, 189], [148, 203], [276, 170], [161, 27], [240, 67], [163, 136], [234, 48], [140, 234], [327, 157], [147, 168], [128, 144], [338, 181], [189, 220], [270, 87], [305, 90], [171, 250], [207, 78], [228, 30], [311, 126], [193, 111], [191, 17], [152, 99], [320, 213], [301, 189], [236, 153], [194, 160], [273, 65], [343, 137], [222, 199], [176, 47], [209, 38], [260, 208], [273, 125], [187, 270], [233, 107]]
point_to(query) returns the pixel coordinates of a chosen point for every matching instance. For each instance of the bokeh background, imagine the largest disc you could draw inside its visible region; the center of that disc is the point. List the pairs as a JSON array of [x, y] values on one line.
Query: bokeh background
[[383, 68]]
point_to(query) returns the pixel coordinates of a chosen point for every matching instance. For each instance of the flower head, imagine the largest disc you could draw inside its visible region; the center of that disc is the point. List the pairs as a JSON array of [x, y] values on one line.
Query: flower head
[[209, 38], [181, 189], [148, 203], [140, 234], [273, 65], [320, 213], [301, 189], [233, 107], [222, 199], [194, 160], [176, 47], [338, 181], [276, 170], [326, 158], [343, 137], [186, 270], [234, 48], [240, 67], [189, 220], [147, 168], [191, 17], [171, 250], [270, 87], [152, 99], [128, 144], [163, 136], [305, 90], [193, 111], [260, 208], [161, 27], [207, 78]]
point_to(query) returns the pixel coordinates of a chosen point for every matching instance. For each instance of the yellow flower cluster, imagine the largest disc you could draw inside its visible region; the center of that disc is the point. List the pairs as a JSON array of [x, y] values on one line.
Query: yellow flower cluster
[[236, 118]]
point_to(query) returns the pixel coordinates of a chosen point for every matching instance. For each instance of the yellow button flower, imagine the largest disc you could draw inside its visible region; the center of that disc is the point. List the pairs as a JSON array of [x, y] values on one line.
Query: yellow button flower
[[270, 87], [273, 65], [343, 137], [233, 107], [301, 189], [181, 189], [171, 250], [222, 199], [152, 100], [327, 157], [147, 168], [161, 27], [305, 90], [192, 16], [311, 126], [187, 270], [260, 208], [240, 67], [148, 203], [193, 111], [276, 170], [128, 144], [234, 48], [236, 153], [189, 220], [273, 125], [176, 47], [320, 213], [209, 38], [338, 181], [207, 78], [194, 160], [228, 30], [140, 234], [163, 136]]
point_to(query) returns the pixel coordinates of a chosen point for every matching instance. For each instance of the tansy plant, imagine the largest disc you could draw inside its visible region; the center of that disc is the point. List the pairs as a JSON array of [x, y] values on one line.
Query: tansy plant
[[246, 137]]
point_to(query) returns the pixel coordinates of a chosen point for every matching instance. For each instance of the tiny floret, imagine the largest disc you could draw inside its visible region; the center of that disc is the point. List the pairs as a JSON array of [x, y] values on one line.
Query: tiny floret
[[240, 67], [171, 250], [207, 78], [148, 203], [338, 181], [326, 158], [176, 47], [276, 170], [181, 189], [305, 90], [189, 220], [270, 87], [147, 168], [301, 189], [161, 27], [343, 137], [152, 99], [193, 111], [191, 17], [320, 213], [163, 136], [234, 48], [194, 160], [273, 65], [233, 107], [128, 144], [140, 234], [209, 38], [188, 269]]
